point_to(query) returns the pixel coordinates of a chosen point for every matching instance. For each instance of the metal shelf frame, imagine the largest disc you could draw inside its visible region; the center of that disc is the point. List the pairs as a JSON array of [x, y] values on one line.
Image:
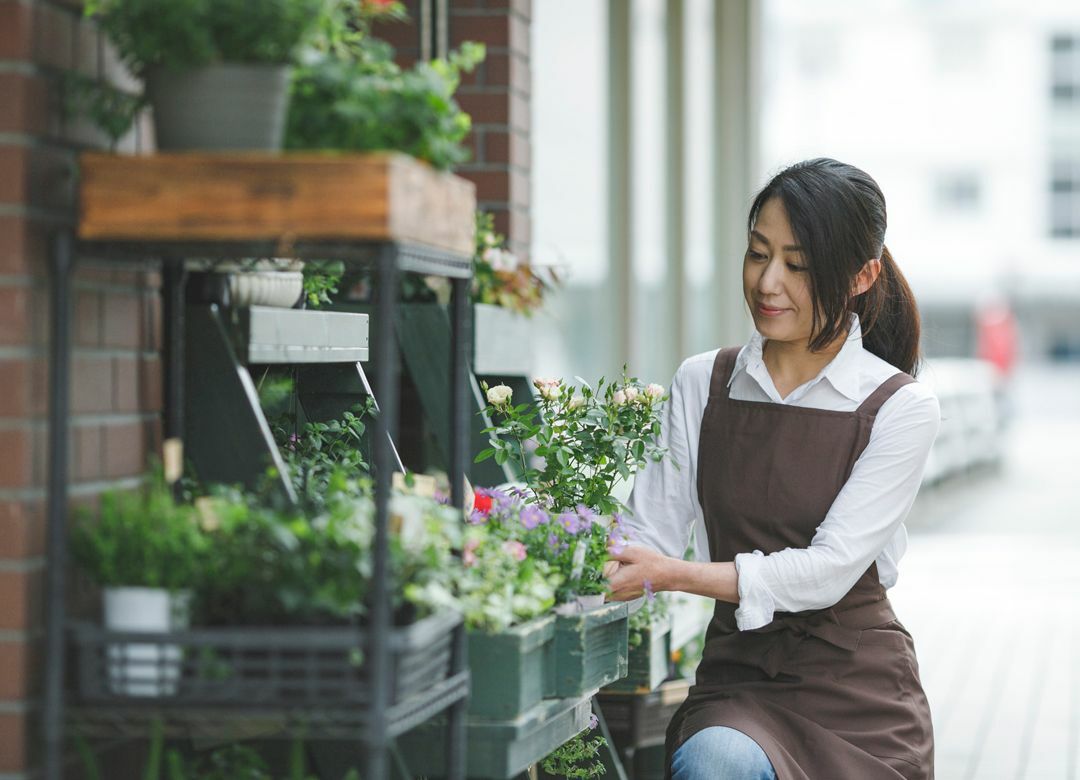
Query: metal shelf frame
[[388, 259]]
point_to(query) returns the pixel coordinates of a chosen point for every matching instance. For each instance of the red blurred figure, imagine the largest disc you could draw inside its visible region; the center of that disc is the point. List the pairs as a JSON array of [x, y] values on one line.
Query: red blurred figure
[[996, 336]]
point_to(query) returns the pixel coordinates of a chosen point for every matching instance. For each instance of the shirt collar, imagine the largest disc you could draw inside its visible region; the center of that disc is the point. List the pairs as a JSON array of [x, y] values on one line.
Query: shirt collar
[[842, 371]]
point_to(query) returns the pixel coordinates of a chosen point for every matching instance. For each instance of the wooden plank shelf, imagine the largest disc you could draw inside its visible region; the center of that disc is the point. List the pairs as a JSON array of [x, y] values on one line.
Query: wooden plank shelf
[[280, 199]]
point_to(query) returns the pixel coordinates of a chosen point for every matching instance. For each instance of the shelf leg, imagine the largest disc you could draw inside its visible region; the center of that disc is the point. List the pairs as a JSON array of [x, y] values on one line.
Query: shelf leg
[[457, 732], [173, 279], [59, 402], [460, 388], [609, 755], [386, 383]]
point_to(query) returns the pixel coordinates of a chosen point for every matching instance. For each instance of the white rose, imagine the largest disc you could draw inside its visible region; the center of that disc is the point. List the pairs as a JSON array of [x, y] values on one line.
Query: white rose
[[618, 398], [654, 391], [499, 395], [576, 402], [551, 392], [633, 395], [541, 382]]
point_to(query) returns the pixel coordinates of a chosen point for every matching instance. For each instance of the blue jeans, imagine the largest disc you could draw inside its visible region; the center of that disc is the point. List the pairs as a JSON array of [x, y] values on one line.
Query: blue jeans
[[721, 753]]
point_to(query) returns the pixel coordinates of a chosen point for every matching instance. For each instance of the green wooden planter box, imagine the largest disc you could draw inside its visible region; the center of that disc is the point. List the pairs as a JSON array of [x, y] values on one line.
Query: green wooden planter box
[[509, 668], [590, 650], [498, 749], [649, 663]]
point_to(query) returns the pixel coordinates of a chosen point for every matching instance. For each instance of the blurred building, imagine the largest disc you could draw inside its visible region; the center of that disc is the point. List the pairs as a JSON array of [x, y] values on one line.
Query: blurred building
[[968, 115]]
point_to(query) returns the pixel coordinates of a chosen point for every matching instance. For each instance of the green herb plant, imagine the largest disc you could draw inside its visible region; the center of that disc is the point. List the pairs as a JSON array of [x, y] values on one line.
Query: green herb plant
[[141, 538], [578, 757], [321, 280]]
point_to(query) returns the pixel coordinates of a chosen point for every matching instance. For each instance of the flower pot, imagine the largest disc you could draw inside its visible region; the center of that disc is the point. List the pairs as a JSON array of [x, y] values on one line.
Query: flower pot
[[265, 288], [590, 601], [590, 650], [649, 662], [141, 669], [219, 107], [508, 668]]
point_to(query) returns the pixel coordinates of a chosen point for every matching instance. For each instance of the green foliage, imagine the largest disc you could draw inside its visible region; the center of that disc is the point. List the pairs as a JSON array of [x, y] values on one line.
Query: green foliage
[[588, 442], [577, 758], [141, 538], [654, 610], [283, 565], [319, 449], [321, 279], [112, 110], [357, 99], [192, 33]]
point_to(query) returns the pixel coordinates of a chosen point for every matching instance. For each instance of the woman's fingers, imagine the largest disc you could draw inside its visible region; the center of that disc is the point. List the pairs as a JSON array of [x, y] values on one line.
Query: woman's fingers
[[610, 568]]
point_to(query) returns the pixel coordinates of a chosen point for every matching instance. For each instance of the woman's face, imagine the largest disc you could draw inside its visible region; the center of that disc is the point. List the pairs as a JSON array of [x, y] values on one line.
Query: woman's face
[[776, 281]]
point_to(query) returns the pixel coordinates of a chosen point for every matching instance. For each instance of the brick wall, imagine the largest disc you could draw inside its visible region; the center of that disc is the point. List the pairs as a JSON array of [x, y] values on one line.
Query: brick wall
[[116, 387], [497, 97]]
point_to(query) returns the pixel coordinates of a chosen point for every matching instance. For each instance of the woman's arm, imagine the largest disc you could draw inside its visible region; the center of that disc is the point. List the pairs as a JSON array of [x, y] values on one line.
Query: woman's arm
[[641, 568]]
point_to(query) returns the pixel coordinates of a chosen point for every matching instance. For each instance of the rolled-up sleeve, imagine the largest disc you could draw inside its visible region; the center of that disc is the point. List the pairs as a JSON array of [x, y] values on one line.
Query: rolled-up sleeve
[[663, 505], [860, 523]]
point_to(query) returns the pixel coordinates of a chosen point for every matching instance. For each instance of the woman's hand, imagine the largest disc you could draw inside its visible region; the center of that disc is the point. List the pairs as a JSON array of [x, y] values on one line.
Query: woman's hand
[[637, 569]]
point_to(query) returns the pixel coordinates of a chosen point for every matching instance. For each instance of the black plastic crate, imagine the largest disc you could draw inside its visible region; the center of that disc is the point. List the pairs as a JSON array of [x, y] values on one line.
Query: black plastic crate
[[258, 667]]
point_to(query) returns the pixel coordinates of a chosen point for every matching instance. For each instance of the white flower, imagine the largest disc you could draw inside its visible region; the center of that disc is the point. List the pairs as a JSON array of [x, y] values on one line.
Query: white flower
[[576, 402], [500, 259], [551, 392], [654, 391], [633, 395], [541, 381], [499, 395], [618, 398]]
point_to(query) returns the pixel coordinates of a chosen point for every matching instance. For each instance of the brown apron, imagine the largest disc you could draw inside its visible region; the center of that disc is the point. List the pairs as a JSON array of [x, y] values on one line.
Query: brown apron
[[828, 694]]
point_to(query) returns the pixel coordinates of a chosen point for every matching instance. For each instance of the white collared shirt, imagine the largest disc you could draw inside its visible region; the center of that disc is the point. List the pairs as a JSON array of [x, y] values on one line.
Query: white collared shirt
[[864, 523]]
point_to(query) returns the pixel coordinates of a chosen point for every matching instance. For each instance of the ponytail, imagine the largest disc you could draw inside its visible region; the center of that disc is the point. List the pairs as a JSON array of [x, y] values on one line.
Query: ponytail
[[889, 317]]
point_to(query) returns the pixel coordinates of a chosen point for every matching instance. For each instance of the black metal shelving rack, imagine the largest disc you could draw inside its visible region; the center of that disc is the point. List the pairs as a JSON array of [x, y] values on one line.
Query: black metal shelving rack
[[388, 259]]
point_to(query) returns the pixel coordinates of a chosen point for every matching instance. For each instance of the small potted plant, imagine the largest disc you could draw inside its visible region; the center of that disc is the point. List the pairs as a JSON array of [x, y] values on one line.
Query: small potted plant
[[147, 553], [216, 72]]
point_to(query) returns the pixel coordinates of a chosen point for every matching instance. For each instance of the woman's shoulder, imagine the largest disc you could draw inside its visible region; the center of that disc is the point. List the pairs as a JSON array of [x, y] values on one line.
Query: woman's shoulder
[[914, 398]]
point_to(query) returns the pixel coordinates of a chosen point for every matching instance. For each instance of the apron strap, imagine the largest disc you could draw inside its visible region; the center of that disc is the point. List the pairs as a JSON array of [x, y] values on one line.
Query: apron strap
[[723, 365], [882, 394]]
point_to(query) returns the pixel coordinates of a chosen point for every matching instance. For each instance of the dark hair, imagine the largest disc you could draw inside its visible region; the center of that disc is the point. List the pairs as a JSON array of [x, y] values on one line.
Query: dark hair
[[837, 215]]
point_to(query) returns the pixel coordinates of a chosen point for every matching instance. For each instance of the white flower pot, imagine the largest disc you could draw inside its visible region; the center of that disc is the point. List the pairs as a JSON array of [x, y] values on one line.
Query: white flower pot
[[591, 601], [140, 669]]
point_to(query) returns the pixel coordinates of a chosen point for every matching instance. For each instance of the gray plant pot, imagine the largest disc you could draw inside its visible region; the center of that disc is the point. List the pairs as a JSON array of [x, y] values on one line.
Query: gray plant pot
[[219, 107]]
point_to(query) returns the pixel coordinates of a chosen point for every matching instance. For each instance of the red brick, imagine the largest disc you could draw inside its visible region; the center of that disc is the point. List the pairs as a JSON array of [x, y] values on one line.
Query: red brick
[[125, 450], [87, 326], [19, 669], [151, 385], [125, 385], [22, 529], [506, 148], [508, 70], [86, 460], [15, 388], [23, 247], [14, 315], [26, 99], [493, 30], [91, 385], [123, 321], [54, 36], [20, 599], [14, 164], [490, 185], [485, 108], [13, 755], [16, 27]]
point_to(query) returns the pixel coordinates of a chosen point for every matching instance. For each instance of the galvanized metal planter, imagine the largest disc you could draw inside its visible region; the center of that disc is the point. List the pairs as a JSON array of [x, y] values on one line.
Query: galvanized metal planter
[[590, 650], [509, 668], [499, 749], [650, 661]]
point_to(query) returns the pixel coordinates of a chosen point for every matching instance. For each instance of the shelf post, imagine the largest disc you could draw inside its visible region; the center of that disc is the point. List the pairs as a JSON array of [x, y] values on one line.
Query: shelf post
[[386, 368], [62, 257]]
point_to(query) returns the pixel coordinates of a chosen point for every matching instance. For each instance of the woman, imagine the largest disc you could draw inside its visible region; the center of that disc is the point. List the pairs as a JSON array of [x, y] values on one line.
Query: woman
[[795, 460]]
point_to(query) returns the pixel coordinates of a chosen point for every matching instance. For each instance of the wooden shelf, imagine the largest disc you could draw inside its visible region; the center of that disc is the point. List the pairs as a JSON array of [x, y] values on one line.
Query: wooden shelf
[[278, 198]]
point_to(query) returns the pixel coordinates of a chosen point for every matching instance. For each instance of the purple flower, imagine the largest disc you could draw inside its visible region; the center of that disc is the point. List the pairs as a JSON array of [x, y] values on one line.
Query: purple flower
[[501, 500], [617, 542], [586, 514], [570, 521], [556, 545], [476, 517], [593, 721], [532, 516], [649, 593]]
